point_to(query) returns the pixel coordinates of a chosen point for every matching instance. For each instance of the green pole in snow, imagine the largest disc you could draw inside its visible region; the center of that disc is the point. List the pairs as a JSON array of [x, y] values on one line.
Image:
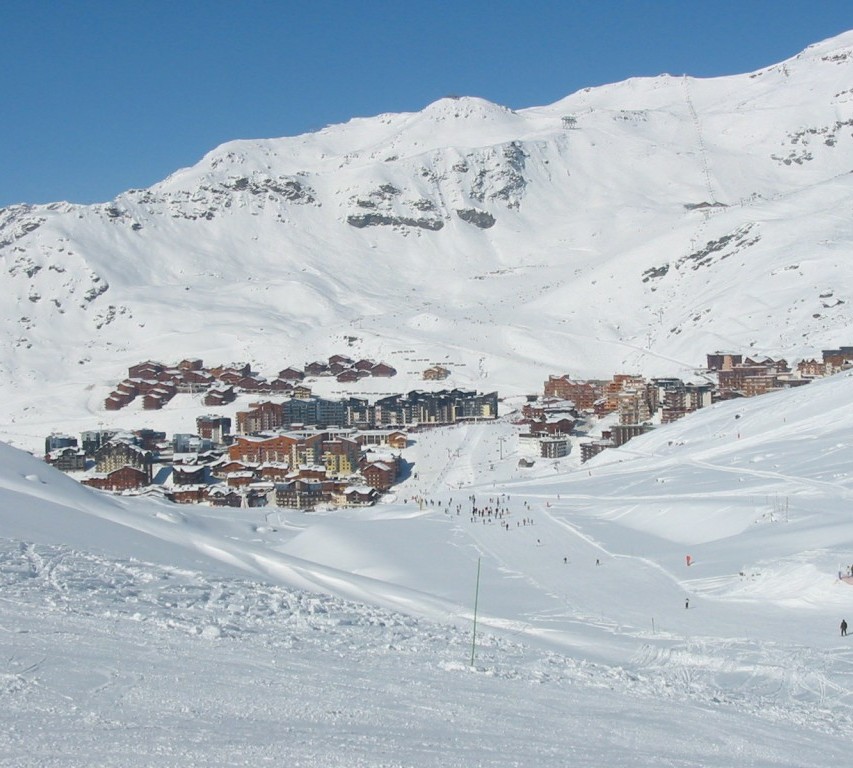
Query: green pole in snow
[[476, 600]]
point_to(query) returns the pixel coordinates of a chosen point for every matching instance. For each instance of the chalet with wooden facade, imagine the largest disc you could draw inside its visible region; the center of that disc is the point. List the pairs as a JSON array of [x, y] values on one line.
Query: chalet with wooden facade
[[226, 466], [307, 494], [221, 395], [272, 472], [348, 375], [436, 373], [379, 475], [552, 426], [752, 377], [189, 474], [158, 396], [593, 448], [220, 496], [393, 438], [123, 478], [291, 374], [188, 494], [317, 368], [675, 399], [839, 359], [382, 370], [260, 418], [214, 428], [68, 459], [723, 361], [150, 369], [118, 453], [584, 394], [249, 449], [813, 369], [337, 454], [360, 496], [622, 433]]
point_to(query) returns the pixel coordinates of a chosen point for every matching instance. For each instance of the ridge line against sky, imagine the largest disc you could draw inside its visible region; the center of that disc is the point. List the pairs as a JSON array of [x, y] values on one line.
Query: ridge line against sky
[[101, 97]]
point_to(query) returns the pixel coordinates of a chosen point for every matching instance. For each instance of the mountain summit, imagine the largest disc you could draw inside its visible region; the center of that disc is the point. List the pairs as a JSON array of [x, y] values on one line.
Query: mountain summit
[[633, 226]]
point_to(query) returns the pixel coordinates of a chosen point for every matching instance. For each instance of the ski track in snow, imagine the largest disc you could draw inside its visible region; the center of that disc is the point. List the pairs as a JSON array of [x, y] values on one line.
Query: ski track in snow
[[140, 640]]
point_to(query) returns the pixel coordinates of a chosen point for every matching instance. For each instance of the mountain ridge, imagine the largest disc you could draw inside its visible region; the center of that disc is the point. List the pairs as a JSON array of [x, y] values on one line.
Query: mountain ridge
[[635, 226]]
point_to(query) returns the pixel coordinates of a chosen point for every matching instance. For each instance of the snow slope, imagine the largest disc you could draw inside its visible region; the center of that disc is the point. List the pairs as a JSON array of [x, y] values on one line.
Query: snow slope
[[635, 226], [139, 633]]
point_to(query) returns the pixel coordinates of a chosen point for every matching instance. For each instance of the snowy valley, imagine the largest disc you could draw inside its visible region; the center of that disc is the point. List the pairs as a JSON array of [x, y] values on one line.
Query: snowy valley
[[633, 228], [138, 632]]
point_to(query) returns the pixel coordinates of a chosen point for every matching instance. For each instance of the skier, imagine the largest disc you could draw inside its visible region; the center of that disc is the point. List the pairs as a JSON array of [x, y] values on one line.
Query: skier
[[843, 628], [687, 602]]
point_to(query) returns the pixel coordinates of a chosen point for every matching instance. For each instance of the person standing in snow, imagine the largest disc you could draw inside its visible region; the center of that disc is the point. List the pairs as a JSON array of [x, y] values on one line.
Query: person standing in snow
[[843, 627]]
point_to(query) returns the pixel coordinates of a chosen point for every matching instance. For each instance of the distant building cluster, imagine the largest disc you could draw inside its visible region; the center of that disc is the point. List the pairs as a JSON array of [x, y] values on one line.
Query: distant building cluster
[[298, 451], [297, 468], [157, 383], [416, 409], [638, 400]]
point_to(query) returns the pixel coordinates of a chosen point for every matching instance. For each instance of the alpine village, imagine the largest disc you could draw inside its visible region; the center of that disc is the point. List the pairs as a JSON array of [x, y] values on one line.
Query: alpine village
[[294, 449]]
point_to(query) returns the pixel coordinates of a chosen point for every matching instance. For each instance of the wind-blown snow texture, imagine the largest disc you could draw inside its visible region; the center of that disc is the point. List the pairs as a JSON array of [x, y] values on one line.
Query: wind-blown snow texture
[[634, 226], [674, 214], [134, 632]]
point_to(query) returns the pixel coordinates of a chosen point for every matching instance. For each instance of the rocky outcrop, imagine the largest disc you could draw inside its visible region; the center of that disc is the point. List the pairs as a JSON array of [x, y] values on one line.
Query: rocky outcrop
[[481, 219]]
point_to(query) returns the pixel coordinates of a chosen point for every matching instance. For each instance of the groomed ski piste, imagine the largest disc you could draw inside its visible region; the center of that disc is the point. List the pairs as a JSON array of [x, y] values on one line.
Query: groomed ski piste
[[134, 632]]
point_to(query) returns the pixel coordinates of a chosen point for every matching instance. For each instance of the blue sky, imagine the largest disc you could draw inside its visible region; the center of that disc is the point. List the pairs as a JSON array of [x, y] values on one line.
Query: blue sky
[[99, 97]]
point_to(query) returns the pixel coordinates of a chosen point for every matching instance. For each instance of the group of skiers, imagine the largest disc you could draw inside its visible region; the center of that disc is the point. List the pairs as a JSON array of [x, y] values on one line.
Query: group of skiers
[[498, 508]]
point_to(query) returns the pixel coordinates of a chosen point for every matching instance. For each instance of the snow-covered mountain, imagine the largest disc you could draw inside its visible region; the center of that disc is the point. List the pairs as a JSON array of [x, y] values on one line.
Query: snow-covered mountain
[[634, 226]]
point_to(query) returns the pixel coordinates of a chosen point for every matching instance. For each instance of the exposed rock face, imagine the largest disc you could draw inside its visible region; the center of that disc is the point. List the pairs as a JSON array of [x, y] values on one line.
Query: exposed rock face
[[389, 207], [481, 219], [383, 220], [501, 176], [288, 190], [16, 222]]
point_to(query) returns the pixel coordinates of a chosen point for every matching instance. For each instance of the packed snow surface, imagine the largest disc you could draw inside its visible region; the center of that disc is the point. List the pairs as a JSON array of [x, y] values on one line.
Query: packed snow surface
[[136, 633]]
